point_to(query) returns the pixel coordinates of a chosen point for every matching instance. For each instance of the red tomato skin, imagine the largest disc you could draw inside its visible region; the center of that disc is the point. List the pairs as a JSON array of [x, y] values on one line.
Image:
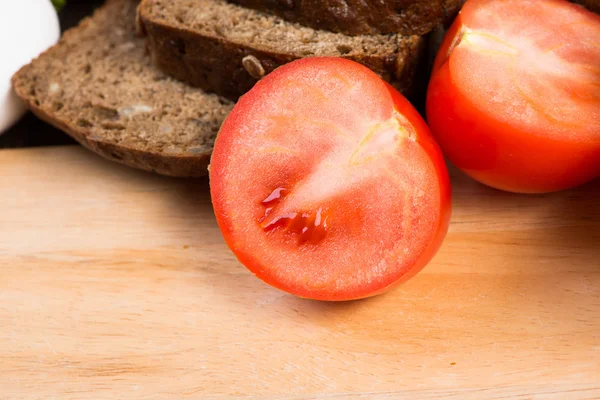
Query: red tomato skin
[[495, 153], [424, 137]]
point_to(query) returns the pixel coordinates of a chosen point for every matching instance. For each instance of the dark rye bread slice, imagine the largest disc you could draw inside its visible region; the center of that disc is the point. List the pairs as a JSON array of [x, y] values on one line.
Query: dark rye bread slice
[[226, 48], [362, 17], [98, 85]]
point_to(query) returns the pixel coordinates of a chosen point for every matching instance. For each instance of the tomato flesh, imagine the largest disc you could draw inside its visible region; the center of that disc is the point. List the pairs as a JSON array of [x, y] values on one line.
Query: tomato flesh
[[514, 99], [327, 184]]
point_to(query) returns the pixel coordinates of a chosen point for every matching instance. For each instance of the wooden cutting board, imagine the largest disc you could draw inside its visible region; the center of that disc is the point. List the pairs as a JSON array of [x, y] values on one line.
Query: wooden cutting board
[[116, 283]]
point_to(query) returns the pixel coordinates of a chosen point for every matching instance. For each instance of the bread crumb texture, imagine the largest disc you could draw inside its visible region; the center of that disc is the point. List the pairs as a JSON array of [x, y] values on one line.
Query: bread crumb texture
[[247, 27], [99, 85]]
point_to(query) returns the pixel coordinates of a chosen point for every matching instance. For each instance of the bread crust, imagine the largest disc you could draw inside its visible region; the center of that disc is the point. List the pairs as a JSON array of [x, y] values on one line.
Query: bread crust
[[362, 17], [175, 165], [592, 5]]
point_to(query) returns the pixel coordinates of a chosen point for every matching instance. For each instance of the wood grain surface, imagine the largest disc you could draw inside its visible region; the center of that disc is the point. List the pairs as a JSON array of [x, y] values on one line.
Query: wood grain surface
[[116, 284]]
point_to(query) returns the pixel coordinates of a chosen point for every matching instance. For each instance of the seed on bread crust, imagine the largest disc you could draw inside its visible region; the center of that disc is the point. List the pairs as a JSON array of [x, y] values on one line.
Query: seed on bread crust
[[253, 66]]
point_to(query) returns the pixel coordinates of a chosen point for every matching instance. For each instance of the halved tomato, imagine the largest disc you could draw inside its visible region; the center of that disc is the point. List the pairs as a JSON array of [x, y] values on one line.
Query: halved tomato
[[327, 184], [514, 98]]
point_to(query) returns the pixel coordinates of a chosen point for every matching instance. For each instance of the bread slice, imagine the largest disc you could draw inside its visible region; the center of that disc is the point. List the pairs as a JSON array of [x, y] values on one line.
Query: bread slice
[[362, 17], [98, 85], [226, 48]]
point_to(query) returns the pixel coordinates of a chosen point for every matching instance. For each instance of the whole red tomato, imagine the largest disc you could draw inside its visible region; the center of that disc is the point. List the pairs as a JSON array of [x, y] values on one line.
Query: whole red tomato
[[327, 184], [514, 98]]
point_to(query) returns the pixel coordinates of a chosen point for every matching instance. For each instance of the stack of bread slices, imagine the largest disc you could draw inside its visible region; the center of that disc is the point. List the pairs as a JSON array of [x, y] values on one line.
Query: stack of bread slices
[[148, 83]]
